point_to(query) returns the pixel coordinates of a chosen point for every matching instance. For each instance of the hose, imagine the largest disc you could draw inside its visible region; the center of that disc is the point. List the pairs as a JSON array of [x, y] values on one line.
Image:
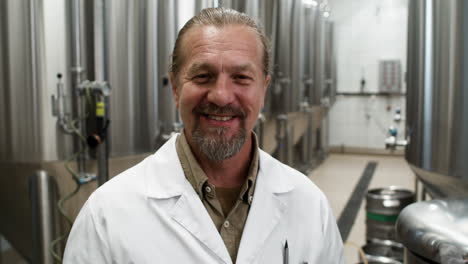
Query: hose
[[361, 252], [76, 178]]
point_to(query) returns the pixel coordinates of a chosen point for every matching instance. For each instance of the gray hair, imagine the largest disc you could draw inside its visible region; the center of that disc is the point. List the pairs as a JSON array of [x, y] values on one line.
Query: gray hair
[[219, 17]]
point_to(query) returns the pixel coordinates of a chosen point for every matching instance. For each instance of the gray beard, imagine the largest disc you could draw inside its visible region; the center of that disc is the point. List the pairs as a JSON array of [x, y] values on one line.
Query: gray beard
[[217, 147]]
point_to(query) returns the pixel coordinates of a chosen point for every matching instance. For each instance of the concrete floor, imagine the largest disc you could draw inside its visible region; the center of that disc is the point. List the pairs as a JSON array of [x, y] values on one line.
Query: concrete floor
[[338, 176]]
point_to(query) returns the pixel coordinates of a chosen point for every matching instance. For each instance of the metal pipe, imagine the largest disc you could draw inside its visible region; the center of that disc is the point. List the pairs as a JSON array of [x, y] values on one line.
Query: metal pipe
[[428, 85], [100, 40], [307, 140], [100, 74], [103, 150], [42, 190], [76, 77]]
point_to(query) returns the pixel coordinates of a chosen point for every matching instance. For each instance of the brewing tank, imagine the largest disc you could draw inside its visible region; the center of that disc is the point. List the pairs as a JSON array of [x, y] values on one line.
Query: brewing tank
[[330, 80], [315, 96], [132, 70], [437, 117], [281, 81], [33, 49]]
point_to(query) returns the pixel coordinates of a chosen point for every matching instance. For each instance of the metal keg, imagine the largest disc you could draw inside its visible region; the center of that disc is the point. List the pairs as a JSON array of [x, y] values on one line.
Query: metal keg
[[380, 260], [383, 205], [384, 248]]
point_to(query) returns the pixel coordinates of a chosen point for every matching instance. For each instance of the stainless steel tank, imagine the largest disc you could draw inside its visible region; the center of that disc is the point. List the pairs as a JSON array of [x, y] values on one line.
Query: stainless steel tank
[[310, 17], [330, 82], [33, 50], [315, 96], [437, 116], [315, 138], [202, 4], [281, 82], [140, 37]]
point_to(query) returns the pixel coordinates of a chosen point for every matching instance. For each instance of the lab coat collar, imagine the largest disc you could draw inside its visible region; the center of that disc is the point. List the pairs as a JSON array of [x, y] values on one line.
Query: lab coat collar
[[163, 174], [170, 180], [165, 179]]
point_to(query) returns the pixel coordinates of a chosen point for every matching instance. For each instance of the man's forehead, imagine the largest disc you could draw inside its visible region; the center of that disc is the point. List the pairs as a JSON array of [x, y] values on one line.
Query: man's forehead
[[205, 40]]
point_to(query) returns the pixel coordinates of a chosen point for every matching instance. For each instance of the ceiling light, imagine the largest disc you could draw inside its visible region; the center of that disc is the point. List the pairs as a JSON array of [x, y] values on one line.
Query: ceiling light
[[310, 3]]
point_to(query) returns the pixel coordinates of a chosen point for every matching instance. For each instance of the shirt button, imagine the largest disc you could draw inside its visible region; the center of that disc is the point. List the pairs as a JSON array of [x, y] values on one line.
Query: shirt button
[[250, 199], [226, 224], [208, 189]]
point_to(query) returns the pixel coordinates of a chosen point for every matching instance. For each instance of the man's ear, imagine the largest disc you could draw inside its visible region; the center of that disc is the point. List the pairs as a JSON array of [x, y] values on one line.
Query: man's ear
[[267, 82], [175, 88], [265, 87]]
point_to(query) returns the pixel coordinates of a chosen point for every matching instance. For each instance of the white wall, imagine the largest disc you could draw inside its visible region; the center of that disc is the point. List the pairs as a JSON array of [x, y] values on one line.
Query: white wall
[[366, 31], [361, 121]]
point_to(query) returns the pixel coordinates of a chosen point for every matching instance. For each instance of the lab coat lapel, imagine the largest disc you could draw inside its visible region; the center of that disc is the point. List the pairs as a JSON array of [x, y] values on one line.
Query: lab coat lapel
[[190, 213], [268, 207], [188, 210]]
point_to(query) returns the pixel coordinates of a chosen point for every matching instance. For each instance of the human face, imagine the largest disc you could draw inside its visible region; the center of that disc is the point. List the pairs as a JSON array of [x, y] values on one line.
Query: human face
[[221, 87]]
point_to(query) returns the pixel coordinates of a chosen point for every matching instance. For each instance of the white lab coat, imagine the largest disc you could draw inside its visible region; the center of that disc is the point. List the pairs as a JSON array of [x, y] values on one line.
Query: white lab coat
[[151, 214]]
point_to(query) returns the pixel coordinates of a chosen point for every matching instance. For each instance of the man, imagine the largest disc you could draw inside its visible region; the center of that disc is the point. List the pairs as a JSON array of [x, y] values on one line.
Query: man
[[210, 195]]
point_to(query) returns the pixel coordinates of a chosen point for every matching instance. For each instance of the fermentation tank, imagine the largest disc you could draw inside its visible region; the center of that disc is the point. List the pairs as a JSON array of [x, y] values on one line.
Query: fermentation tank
[[33, 49], [329, 90], [437, 96], [140, 37]]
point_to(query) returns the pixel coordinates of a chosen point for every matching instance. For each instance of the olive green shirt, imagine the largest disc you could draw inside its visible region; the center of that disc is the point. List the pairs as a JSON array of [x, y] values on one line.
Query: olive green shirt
[[227, 207]]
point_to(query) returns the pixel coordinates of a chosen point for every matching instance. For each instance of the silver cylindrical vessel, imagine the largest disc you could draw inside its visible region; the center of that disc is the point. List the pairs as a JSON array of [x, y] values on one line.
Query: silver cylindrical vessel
[[281, 82], [437, 115], [202, 4], [318, 77], [33, 49], [311, 14], [298, 60], [132, 63], [383, 205], [330, 80], [167, 33]]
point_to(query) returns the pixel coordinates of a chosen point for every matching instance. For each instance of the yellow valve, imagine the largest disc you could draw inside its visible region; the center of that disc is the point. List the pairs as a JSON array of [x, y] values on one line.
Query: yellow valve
[[100, 109]]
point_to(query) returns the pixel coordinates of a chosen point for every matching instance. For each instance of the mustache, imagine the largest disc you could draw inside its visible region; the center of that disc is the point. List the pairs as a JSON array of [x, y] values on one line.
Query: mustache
[[210, 108]]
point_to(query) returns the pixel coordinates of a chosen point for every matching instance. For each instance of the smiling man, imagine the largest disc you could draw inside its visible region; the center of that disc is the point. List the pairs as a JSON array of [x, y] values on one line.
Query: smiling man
[[210, 195]]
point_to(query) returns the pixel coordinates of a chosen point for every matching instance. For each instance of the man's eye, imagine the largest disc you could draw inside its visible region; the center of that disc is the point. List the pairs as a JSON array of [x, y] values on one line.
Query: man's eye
[[201, 78], [242, 78]]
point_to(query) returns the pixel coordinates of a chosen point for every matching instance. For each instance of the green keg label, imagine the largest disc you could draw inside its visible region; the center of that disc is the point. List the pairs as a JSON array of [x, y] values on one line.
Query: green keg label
[[382, 218]]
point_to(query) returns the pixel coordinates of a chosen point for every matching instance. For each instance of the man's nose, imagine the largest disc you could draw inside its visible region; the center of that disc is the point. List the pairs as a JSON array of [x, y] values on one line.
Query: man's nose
[[222, 92]]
